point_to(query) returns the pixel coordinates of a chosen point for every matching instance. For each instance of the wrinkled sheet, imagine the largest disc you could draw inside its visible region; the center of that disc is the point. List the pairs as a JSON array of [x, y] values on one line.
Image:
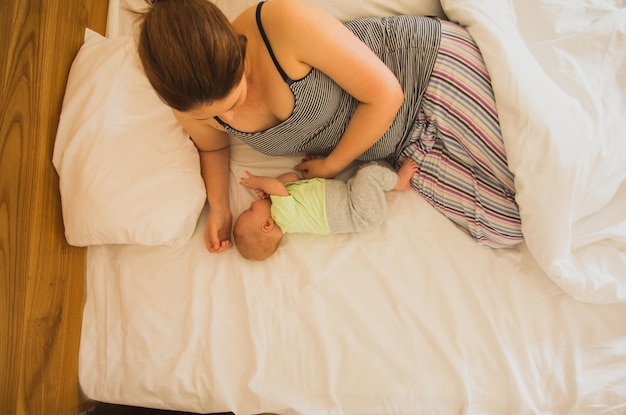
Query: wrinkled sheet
[[414, 317]]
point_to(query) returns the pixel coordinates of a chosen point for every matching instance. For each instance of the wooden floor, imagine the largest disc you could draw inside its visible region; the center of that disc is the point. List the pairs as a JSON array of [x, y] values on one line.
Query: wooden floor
[[41, 277]]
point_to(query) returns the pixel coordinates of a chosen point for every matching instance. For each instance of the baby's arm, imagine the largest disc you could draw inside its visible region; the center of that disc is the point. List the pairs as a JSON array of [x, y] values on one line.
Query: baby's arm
[[288, 177], [270, 185]]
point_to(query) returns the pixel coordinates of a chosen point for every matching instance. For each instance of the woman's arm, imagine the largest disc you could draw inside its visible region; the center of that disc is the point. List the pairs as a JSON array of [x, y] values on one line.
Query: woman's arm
[[305, 36], [214, 150]]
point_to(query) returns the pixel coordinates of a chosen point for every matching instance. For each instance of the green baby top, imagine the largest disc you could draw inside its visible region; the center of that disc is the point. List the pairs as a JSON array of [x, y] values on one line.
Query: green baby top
[[304, 210]]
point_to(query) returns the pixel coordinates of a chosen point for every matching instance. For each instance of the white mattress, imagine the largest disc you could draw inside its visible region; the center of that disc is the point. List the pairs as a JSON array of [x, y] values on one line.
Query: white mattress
[[414, 318]]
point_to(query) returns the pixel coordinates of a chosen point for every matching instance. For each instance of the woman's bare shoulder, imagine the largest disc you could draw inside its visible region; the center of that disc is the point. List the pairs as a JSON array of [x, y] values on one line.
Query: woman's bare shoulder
[[276, 13], [294, 29]]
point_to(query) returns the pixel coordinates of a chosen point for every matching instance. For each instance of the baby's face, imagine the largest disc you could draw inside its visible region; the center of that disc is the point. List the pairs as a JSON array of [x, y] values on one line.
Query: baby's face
[[257, 213]]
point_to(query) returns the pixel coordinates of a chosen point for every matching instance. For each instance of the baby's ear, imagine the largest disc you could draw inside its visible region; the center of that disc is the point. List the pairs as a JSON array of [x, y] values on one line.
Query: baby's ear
[[268, 225]]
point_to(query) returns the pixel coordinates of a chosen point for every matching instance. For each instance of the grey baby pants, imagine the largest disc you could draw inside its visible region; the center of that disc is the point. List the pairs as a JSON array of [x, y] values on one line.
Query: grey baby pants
[[359, 204]]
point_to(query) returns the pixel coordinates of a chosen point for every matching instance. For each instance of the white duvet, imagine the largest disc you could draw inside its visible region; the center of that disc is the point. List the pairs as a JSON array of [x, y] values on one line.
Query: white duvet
[[413, 318], [559, 75]]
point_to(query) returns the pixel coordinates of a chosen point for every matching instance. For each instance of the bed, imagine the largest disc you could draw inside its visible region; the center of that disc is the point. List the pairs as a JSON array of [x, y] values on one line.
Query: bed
[[413, 318]]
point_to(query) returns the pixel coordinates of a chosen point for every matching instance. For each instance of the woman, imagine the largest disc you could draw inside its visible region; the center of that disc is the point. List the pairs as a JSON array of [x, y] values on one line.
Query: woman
[[286, 77]]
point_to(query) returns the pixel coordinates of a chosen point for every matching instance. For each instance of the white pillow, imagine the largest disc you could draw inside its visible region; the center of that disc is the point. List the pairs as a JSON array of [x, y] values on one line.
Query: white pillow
[[128, 172], [121, 21]]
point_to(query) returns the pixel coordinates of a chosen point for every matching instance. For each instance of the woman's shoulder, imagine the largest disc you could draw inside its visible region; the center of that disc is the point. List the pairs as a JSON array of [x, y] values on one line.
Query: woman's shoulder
[[277, 17], [280, 15], [269, 8], [244, 19]]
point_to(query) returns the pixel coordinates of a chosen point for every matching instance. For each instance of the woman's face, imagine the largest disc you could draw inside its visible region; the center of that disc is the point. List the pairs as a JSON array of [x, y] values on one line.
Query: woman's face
[[223, 108]]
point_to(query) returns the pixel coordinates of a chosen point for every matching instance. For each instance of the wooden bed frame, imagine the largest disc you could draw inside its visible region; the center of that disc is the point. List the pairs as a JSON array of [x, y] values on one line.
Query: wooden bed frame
[[41, 295]]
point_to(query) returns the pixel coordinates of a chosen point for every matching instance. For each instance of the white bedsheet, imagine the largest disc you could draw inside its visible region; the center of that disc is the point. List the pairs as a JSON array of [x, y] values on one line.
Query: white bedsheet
[[414, 318]]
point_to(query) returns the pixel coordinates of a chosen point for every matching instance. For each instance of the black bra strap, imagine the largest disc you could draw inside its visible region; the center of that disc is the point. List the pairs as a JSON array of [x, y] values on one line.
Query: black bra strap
[[282, 73]]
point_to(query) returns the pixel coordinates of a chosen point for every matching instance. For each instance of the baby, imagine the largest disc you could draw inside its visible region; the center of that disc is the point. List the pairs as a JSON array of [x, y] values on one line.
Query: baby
[[320, 206]]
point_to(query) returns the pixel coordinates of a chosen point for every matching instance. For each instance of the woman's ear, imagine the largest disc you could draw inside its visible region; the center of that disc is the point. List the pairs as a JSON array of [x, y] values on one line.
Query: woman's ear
[[268, 225]]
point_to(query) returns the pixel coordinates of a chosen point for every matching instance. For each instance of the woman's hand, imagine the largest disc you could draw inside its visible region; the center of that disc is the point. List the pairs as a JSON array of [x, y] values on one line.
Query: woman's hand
[[311, 167], [217, 231]]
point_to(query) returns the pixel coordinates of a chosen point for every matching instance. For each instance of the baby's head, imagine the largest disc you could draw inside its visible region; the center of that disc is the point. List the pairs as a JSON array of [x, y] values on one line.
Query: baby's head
[[256, 234]]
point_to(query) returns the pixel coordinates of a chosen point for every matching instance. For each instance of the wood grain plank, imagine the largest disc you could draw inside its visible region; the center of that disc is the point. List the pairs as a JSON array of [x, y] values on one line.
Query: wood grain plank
[[41, 290], [13, 289]]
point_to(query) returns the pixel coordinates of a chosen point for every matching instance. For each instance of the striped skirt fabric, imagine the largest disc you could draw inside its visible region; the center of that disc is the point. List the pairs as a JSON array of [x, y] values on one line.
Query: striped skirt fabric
[[458, 146]]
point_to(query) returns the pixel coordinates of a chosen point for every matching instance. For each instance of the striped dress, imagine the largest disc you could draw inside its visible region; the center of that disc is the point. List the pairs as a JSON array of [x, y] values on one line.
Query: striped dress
[[447, 122], [458, 146]]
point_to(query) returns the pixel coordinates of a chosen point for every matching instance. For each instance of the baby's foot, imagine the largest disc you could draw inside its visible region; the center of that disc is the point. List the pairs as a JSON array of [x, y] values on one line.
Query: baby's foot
[[408, 168]]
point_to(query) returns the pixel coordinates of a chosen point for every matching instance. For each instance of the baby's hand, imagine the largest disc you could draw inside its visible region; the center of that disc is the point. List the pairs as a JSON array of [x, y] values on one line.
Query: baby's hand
[[249, 182], [261, 194]]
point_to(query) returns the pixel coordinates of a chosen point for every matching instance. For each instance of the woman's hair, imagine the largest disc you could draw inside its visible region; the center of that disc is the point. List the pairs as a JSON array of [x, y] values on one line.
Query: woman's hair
[[254, 244], [189, 52]]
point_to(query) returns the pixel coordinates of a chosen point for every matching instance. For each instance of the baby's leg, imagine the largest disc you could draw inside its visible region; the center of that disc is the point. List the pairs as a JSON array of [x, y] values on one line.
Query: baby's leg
[[359, 204], [366, 194]]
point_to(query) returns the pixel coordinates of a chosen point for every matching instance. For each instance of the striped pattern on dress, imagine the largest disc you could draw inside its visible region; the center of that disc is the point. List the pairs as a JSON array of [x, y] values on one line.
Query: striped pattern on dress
[[407, 44], [458, 146]]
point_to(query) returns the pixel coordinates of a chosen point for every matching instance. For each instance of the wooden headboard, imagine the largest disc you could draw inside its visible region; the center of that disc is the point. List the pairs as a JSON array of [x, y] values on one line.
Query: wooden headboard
[[41, 294]]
